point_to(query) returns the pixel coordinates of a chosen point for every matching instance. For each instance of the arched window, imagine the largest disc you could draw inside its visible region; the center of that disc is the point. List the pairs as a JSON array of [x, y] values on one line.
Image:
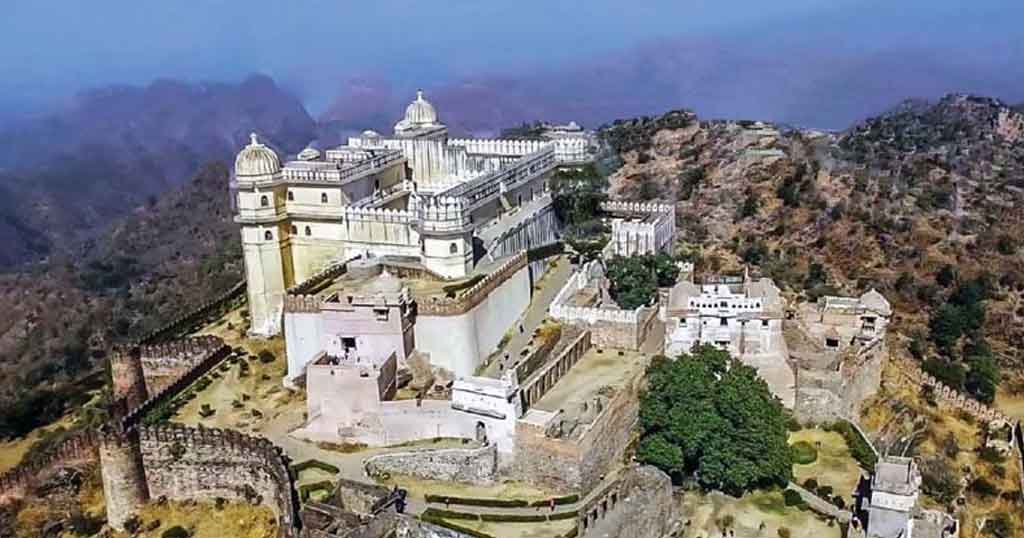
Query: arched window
[[268, 235], [308, 231], [323, 197], [291, 196], [453, 248], [295, 230], [264, 201]]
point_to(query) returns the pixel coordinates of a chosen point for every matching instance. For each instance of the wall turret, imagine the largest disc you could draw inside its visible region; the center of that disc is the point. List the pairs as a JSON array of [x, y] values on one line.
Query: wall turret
[[124, 477], [127, 377]]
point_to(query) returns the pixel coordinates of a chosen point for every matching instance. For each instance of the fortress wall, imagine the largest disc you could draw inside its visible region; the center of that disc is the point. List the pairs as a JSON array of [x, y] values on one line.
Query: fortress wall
[[951, 397], [77, 448], [183, 463], [162, 364], [303, 331], [467, 465], [828, 395], [210, 309], [459, 335], [538, 383]]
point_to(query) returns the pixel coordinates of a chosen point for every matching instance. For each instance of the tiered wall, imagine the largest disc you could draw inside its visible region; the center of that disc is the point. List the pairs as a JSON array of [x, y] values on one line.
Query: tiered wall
[[640, 504], [215, 355]]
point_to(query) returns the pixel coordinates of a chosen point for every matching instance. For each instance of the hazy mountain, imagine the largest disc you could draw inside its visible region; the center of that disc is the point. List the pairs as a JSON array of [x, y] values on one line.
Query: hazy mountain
[[67, 174]]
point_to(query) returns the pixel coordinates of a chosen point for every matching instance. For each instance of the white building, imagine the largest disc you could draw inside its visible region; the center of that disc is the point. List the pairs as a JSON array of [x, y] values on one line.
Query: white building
[[892, 508], [416, 195]]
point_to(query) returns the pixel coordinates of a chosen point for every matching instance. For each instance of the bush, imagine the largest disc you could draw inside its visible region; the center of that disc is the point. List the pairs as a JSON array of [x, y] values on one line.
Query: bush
[[468, 501], [810, 484], [824, 491], [308, 489], [316, 464], [176, 531], [514, 518], [804, 453], [859, 448], [784, 532], [939, 481], [792, 498], [266, 357], [991, 455], [983, 487]]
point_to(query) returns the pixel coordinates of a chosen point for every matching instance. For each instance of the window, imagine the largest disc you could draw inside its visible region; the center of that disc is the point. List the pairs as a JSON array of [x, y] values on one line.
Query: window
[[309, 232], [264, 201], [291, 196], [381, 314], [323, 197], [831, 342], [453, 248], [295, 230], [268, 235], [724, 322], [348, 343], [723, 304], [764, 323]]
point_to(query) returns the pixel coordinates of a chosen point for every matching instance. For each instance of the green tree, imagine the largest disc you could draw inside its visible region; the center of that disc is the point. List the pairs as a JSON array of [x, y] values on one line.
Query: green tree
[[577, 196], [710, 416], [983, 377], [635, 279]]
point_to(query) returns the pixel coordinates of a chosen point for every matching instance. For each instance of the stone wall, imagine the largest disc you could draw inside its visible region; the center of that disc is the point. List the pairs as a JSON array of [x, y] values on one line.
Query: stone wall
[[624, 329], [949, 396], [640, 504], [469, 465], [578, 464], [826, 395], [537, 382], [79, 447], [164, 363], [210, 309], [183, 463]]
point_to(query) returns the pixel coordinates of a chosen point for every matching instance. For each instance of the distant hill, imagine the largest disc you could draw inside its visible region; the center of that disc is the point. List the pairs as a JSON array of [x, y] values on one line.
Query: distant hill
[[923, 189], [66, 175]]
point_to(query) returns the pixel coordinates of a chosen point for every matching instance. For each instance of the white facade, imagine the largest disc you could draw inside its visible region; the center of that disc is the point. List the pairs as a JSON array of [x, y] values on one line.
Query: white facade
[[323, 208]]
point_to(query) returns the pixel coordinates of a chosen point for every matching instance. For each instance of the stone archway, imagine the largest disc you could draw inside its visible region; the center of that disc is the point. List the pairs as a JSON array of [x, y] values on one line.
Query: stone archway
[[481, 432]]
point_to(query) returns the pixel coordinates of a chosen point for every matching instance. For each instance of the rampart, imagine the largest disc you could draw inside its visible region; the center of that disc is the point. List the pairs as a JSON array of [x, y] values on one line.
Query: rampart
[[183, 463], [625, 329], [824, 395], [474, 295], [540, 381], [325, 275], [164, 363], [210, 309], [639, 504], [949, 396], [79, 447], [467, 465]]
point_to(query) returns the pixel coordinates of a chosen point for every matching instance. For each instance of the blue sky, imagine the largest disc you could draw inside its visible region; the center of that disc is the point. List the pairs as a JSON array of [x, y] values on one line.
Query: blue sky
[[50, 49]]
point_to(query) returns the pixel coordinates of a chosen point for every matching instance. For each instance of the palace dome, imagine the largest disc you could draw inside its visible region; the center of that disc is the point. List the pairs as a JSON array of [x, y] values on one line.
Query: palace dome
[[419, 113], [256, 159]]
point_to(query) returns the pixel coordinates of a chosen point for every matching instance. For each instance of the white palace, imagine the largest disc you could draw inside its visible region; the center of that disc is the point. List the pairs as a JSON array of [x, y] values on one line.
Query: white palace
[[417, 197]]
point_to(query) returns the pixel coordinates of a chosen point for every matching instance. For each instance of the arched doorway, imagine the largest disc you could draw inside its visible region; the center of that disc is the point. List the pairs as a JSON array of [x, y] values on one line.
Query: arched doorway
[[481, 432]]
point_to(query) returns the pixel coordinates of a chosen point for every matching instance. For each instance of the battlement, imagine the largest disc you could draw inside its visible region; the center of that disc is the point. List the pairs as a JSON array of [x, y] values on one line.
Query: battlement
[[338, 170], [443, 214], [294, 304], [209, 360], [636, 207], [474, 295], [378, 214], [498, 146], [482, 188], [81, 446], [198, 314]]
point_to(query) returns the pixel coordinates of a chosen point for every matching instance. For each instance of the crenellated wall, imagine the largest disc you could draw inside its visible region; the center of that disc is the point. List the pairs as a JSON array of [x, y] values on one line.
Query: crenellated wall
[[81, 446], [164, 363]]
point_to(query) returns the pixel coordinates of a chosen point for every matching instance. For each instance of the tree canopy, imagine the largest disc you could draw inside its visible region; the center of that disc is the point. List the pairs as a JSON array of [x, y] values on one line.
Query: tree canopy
[[710, 416], [577, 197], [635, 279]]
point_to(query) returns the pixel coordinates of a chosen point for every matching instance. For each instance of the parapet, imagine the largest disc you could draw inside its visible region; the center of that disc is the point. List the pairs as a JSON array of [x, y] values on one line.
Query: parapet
[[298, 304], [474, 295]]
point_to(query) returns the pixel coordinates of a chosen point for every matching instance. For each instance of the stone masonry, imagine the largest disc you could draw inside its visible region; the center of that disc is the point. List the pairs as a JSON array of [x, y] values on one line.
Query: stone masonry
[[468, 465]]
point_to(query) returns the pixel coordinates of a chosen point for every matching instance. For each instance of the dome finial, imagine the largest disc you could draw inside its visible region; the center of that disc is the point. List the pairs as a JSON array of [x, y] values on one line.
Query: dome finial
[[254, 139], [419, 94]]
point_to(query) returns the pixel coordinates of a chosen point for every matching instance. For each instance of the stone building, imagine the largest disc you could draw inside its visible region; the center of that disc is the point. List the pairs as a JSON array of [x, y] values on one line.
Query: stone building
[[891, 504], [739, 314], [639, 228], [417, 195]]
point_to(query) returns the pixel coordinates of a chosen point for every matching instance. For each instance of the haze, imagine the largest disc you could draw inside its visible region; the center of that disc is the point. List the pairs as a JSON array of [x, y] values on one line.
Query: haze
[[809, 62]]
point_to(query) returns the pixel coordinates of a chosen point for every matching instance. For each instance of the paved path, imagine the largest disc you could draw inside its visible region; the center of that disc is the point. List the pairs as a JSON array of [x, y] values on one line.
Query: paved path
[[549, 285]]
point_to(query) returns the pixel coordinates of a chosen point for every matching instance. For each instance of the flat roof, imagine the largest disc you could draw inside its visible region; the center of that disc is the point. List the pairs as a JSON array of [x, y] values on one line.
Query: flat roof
[[590, 375]]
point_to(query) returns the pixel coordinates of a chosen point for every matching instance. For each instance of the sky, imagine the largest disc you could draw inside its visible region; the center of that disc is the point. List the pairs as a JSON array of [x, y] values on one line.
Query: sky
[[50, 49]]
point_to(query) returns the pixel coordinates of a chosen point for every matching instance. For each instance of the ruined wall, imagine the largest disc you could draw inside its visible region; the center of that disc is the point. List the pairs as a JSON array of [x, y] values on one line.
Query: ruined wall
[[183, 463], [827, 395], [638, 505], [581, 463], [469, 465], [79, 447]]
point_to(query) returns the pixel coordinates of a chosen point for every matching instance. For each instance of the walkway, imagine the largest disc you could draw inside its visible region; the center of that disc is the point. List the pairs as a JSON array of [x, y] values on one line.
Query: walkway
[[549, 285]]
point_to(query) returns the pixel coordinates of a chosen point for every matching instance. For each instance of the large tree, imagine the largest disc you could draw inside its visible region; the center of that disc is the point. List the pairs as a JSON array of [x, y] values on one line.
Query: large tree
[[635, 279], [707, 415]]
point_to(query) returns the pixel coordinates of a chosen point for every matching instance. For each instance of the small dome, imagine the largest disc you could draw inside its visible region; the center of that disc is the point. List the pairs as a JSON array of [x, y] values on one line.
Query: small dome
[[309, 154], [256, 159], [370, 133], [419, 113]]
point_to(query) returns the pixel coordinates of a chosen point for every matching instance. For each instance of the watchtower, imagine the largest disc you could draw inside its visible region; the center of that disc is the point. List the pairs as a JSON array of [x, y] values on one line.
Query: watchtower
[[124, 477], [127, 377]]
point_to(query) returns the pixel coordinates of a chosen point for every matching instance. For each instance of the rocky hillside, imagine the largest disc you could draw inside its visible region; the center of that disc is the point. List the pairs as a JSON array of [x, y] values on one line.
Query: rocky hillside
[[907, 202], [164, 259], [64, 177]]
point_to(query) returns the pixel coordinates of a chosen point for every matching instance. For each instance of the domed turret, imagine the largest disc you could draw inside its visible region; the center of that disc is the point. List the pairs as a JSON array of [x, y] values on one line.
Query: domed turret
[[419, 114], [309, 154], [256, 159]]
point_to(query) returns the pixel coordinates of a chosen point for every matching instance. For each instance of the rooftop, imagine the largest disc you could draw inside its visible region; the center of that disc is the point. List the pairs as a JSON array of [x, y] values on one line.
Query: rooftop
[[596, 373]]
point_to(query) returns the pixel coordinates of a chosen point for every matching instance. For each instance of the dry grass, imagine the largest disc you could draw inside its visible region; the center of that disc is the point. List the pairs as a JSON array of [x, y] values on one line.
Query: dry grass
[[707, 512], [419, 487], [204, 520], [834, 466]]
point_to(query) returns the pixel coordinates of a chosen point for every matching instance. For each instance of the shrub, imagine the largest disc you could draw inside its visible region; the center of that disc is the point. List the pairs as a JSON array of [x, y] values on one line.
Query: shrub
[[206, 411], [176, 531], [450, 514], [792, 498], [804, 453], [939, 480], [308, 489], [983, 487], [316, 464], [991, 455], [513, 518], [266, 357], [824, 491], [784, 532], [810, 484], [859, 448], [839, 502]]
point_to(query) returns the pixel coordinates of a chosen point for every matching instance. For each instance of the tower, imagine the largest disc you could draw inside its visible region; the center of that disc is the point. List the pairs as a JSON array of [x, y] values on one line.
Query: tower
[[260, 212], [447, 236], [124, 477], [127, 377]]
